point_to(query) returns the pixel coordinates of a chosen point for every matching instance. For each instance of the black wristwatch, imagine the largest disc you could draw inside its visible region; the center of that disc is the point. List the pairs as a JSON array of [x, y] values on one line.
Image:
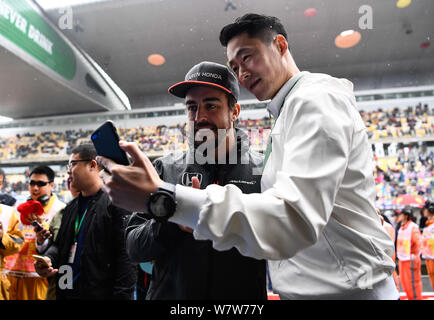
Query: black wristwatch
[[162, 203]]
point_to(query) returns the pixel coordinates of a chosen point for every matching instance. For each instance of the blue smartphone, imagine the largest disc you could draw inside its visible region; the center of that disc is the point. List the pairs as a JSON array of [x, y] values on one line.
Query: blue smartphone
[[106, 142]]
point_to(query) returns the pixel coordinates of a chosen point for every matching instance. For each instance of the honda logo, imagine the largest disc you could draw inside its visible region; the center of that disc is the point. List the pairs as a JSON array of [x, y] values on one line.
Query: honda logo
[[187, 176]]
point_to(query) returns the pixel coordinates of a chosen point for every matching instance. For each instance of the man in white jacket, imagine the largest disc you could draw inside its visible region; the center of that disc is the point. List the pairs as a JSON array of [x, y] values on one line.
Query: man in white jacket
[[315, 220]]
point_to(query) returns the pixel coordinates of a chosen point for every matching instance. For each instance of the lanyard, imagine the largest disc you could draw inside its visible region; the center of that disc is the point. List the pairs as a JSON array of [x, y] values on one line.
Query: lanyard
[[268, 150], [78, 226]]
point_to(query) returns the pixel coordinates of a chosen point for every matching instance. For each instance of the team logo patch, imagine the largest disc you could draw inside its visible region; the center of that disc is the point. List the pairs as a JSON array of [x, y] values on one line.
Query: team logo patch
[[187, 176]]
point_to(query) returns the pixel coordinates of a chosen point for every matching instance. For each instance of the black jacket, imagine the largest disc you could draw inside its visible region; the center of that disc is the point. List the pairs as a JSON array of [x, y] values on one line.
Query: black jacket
[[106, 272], [186, 268]]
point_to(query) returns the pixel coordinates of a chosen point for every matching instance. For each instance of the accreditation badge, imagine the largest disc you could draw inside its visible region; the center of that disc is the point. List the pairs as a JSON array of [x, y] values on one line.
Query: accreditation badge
[[72, 253]]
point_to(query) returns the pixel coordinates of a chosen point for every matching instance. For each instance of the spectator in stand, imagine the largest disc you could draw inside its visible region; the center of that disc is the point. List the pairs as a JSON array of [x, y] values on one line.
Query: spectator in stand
[[5, 198]]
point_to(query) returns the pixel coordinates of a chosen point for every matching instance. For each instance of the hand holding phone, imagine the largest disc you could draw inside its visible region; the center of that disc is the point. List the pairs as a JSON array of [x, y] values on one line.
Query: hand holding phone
[[37, 225], [41, 233], [42, 260], [43, 266], [106, 142]]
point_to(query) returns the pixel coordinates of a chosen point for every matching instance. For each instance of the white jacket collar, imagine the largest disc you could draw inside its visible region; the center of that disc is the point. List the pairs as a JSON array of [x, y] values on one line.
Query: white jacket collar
[[277, 102]]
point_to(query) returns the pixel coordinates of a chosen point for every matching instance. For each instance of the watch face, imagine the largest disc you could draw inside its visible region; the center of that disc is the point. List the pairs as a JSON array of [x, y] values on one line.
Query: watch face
[[162, 206], [158, 206]]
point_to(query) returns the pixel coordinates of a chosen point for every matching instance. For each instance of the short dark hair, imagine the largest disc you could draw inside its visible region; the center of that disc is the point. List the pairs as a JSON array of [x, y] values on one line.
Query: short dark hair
[[407, 211], [256, 26], [85, 151], [429, 205], [231, 101], [43, 170]]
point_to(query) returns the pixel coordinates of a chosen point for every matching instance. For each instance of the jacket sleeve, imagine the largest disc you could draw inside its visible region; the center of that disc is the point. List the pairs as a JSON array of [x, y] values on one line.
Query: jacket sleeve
[[148, 239], [52, 252], [315, 142], [123, 269], [55, 224], [54, 230], [53, 249], [13, 239]]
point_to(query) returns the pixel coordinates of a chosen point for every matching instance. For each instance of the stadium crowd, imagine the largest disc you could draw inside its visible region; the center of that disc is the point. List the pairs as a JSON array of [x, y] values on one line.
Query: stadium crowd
[[396, 123], [411, 172], [399, 168]]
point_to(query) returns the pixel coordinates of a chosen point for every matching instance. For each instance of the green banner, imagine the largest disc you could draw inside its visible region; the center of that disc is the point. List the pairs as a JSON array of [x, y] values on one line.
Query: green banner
[[21, 24]]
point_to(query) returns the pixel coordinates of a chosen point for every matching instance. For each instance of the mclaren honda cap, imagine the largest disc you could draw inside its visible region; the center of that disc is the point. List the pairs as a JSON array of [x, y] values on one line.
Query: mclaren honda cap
[[208, 74]]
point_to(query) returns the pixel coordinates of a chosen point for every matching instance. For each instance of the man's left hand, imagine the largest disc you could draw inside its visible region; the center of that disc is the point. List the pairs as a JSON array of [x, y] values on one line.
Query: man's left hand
[[42, 235]]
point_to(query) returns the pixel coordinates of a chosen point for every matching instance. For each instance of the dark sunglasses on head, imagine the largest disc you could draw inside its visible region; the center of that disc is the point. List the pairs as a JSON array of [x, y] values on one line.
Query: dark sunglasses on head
[[38, 183]]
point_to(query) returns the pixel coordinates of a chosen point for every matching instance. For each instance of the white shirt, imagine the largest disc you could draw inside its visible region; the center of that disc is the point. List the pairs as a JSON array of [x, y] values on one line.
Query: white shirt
[[315, 220]]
